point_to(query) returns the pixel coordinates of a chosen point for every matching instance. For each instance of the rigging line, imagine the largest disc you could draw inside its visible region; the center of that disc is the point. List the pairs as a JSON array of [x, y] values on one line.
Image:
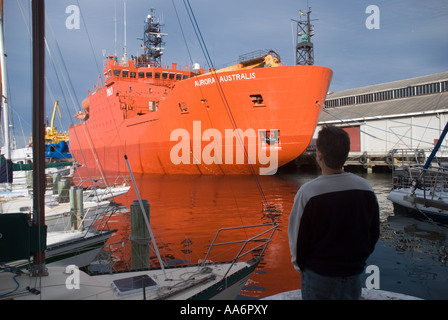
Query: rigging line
[[148, 226], [182, 31], [191, 61], [64, 96], [389, 119], [221, 92], [429, 118], [88, 37], [351, 120], [86, 129]]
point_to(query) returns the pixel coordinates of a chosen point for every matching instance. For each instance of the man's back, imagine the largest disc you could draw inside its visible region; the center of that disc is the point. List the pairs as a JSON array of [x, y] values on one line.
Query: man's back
[[338, 224]]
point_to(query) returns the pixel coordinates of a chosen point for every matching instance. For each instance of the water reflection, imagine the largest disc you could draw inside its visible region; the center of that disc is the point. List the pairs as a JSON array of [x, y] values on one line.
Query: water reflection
[[186, 212]]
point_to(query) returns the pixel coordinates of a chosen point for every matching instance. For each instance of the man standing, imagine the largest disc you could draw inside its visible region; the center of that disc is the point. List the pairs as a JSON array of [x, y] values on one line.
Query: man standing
[[334, 224]]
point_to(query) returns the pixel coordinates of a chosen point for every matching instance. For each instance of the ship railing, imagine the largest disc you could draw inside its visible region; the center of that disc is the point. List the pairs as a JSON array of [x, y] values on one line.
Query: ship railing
[[432, 180], [257, 54], [259, 240]]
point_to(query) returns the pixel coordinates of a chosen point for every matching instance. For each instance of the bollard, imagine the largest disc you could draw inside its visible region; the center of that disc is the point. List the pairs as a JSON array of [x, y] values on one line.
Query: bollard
[[63, 191], [140, 240], [29, 179], [56, 179], [76, 206]]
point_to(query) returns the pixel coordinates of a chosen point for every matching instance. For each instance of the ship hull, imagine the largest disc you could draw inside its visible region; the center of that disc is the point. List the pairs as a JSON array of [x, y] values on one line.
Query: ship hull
[[201, 123]]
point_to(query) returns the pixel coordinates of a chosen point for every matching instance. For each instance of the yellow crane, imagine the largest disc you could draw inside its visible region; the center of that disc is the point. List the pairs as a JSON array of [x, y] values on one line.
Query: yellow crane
[[51, 133]]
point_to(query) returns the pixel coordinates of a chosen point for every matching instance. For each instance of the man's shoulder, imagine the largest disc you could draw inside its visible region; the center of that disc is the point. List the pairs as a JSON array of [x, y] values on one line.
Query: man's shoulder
[[335, 183]]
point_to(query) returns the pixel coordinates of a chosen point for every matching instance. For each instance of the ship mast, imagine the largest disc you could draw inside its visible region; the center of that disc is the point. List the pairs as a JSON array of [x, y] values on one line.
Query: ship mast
[[4, 86], [153, 42], [304, 46]]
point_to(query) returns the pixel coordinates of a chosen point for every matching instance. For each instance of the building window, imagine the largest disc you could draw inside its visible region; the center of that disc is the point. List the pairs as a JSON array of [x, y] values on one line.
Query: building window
[[422, 89]]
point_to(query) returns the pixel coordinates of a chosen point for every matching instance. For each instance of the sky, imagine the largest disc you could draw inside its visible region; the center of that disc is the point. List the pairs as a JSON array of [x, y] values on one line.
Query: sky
[[408, 40]]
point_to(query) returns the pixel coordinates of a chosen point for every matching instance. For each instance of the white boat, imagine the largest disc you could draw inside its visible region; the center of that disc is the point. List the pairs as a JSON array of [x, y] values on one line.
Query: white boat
[[423, 189], [430, 203], [58, 216], [105, 193], [206, 280], [65, 248]]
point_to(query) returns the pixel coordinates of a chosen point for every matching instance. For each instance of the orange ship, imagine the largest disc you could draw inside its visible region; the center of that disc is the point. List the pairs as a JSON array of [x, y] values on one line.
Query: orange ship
[[249, 118]]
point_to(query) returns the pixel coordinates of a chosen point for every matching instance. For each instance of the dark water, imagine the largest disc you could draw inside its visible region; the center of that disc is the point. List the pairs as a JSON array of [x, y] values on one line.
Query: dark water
[[186, 212]]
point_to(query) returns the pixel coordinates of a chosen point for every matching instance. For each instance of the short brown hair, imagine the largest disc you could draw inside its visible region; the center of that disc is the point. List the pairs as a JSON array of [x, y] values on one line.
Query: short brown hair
[[334, 144]]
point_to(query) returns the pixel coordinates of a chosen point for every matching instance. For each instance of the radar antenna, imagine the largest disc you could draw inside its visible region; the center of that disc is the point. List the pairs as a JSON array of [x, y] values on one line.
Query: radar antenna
[[304, 46], [153, 44]]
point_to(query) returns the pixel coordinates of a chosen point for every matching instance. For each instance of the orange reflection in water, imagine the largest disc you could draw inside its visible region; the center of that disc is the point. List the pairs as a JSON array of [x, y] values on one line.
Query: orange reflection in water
[[186, 212]]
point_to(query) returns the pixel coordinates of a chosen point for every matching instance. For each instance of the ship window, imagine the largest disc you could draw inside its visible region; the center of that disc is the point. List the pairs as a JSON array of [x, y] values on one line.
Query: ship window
[[183, 107], [157, 75], [185, 77], [172, 75], [117, 72], [148, 74], [257, 100], [133, 75], [178, 76], [270, 137], [125, 73], [141, 75], [165, 75]]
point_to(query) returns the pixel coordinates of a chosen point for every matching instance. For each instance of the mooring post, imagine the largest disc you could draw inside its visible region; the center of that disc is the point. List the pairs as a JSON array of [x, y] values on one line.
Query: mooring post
[[63, 190], [56, 179], [76, 206], [140, 238]]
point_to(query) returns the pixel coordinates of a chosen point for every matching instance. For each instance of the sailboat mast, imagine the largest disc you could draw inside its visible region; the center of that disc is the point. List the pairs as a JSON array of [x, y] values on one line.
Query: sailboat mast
[[38, 20], [125, 58], [4, 81]]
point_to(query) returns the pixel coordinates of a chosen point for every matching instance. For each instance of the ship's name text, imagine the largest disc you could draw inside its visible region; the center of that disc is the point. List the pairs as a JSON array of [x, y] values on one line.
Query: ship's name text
[[226, 78]]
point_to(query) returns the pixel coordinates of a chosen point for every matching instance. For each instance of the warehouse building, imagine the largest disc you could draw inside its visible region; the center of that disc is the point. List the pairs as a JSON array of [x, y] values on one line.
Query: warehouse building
[[390, 122]]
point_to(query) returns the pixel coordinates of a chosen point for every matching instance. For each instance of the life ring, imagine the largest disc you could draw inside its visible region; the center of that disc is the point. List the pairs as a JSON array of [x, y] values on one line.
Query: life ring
[[363, 158], [390, 159]]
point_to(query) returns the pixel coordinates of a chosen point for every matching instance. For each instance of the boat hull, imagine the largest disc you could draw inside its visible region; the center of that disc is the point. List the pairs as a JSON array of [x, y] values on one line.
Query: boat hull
[[403, 204], [201, 124]]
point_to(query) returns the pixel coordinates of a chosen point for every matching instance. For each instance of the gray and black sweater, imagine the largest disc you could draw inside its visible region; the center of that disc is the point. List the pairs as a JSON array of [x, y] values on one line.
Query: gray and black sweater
[[334, 225]]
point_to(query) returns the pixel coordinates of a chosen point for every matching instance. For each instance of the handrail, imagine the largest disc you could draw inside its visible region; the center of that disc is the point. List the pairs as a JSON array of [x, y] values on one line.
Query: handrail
[[264, 241]]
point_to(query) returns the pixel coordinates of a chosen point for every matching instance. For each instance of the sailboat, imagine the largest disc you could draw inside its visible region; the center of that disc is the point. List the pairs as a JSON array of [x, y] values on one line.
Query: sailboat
[[62, 246], [423, 189], [206, 280]]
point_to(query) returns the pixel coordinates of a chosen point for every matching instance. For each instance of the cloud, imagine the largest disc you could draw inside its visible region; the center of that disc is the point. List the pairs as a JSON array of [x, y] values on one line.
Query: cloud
[[411, 41]]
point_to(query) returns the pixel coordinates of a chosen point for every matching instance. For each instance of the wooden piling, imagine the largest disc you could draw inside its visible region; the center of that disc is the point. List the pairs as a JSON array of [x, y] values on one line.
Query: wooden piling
[[76, 207], [63, 191], [140, 239], [56, 179]]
